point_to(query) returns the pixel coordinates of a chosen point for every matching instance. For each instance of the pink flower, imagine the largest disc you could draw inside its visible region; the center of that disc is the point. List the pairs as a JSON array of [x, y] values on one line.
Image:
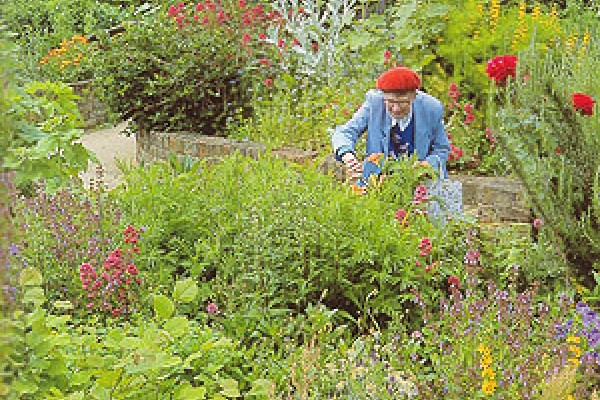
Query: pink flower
[[386, 56], [242, 3], [268, 82], [199, 7], [468, 108], [89, 305], [132, 269], [265, 62], [116, 311], [212, 308], [537, 223], [454, 281], [262, 36], [417, 263], [196, 17], [469, 118], [280, 43], [400, 215], [172, 11]]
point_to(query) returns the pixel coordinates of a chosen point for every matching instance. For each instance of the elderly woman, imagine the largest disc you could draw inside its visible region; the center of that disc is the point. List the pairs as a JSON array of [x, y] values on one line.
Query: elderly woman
[[400, 120]]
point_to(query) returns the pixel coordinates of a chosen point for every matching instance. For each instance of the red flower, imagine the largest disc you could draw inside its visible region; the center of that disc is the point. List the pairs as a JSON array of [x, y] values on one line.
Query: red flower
[[296, 42], [470, 118], [453, 92], [558, 151], [242, 3], [386, 56], [468, 108], [500, 67], [268, 82], [454, 281], [262, 36], [300, 10], [583, 103], [280, 43], [314, 45]]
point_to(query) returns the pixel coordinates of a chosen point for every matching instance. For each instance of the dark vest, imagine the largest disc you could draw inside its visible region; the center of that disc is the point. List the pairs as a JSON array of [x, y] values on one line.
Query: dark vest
[[402, 142]]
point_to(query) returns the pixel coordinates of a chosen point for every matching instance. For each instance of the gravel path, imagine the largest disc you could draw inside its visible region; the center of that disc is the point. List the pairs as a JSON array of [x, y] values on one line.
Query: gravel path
[[111, 146]]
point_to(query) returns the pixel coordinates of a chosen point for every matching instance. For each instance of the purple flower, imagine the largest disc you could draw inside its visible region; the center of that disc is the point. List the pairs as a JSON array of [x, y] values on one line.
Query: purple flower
[[589, 317], [581, 307], [593, 337], [13, 248]]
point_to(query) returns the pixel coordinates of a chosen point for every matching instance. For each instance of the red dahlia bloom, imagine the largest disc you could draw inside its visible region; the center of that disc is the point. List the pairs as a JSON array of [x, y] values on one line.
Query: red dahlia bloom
[[500, 67], [583, 103]]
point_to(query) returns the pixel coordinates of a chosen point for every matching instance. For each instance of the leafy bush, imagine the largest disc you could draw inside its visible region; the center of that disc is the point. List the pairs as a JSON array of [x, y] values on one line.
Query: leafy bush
[[560, 173], [280, 230], [45, 129], [186, 67]]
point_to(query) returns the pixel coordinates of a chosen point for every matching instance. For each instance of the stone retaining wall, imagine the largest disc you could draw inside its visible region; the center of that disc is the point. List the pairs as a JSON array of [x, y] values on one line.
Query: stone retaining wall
[[93, 111], [492, 199]]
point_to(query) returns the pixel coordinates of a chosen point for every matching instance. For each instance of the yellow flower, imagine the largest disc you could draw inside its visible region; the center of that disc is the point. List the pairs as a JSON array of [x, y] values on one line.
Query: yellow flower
[[488, 387], [575, 350], [570, 397], [486, 360], [537, 11], [488, 373], [573, 339], [481, 348]]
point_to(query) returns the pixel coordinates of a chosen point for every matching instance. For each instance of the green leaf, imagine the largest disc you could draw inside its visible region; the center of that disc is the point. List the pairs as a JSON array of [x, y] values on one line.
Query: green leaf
[[177, 326], [261, 387], [185, 391], [185, 291], [63, 305], [163, 306], [35, 295], [230, 388], [107, 379], [30, 277]]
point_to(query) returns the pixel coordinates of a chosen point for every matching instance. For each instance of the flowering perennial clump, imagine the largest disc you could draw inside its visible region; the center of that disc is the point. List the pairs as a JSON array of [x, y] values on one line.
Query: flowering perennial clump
[[113, 288], [487, 373], [70, 52]]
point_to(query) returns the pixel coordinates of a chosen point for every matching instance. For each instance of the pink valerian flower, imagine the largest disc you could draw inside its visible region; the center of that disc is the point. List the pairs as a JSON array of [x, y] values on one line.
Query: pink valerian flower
[[199, 7], [537, 223], [246, 38], [454, 281], [425, 247], [262, 36], [469, 118], [387, 55], [264, 61], [420, 194], [401, 216], [468, 108], [241, 3], [453, 92], [212, 308]]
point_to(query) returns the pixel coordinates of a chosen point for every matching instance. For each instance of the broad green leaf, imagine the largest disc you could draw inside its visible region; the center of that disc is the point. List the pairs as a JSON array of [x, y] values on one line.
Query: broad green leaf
[[261, 387], [63, 305], [177, 326], [107, 379], [163, 306], [30, 277], [185, 291], [230, 388], [35, 295], [185, 391]]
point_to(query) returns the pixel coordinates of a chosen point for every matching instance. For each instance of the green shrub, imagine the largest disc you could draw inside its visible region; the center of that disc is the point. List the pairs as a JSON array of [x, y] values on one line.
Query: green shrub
[[255, 231]]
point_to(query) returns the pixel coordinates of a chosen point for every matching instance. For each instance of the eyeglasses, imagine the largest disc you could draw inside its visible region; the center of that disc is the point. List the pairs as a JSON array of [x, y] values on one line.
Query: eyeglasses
[[399, 100]]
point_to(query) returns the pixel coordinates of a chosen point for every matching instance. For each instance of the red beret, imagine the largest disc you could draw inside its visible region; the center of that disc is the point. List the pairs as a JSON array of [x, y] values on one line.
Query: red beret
[[398, 78]]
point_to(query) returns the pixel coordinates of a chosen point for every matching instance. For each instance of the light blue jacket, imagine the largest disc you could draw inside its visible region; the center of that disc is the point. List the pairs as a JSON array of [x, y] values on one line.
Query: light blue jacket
[[431, 142]]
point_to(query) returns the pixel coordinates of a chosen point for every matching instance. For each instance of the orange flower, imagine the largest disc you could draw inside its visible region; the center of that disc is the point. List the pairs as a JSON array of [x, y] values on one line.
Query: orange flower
[[359, 190], [375, 158]]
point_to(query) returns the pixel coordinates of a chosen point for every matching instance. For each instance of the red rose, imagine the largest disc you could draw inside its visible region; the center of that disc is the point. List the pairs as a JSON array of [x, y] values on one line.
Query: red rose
[[583, 103], [500, 67]]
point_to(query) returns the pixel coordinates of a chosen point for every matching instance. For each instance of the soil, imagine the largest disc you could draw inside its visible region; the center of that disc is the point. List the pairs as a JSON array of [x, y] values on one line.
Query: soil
[[112, 147]]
